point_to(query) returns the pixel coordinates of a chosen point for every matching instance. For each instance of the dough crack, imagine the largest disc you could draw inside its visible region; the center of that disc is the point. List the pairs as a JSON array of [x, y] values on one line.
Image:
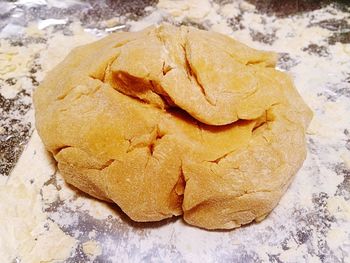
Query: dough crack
[[59, 149], [192, 76], [166, 68]]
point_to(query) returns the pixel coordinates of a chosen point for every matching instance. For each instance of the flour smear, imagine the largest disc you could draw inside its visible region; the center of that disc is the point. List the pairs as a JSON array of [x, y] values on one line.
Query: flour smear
[[44, 220]]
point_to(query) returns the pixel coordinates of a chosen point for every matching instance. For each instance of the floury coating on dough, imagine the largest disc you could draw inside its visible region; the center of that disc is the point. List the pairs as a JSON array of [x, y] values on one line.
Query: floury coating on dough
[[170, 121]]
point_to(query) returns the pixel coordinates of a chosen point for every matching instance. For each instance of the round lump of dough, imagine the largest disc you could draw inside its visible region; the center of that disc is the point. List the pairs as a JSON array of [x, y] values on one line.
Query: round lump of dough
[[175, 121]]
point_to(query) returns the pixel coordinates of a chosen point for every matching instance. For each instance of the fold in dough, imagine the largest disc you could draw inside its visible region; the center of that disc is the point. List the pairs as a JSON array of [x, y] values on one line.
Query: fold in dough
[[175, 121]]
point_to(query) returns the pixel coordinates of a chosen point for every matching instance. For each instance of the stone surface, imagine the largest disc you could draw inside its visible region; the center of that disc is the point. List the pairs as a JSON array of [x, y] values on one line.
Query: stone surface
[[312, 221]]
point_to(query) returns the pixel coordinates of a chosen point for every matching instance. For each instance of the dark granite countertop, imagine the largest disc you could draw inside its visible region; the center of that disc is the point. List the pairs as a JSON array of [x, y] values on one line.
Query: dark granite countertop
[[314, 229]]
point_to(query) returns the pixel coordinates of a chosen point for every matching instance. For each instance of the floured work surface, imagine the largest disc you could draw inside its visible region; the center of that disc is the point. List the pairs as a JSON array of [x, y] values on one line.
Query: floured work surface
[[42, 214]]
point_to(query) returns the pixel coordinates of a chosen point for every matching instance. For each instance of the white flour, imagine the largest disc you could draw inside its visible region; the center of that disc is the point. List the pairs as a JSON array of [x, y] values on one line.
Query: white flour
[[25, 231], [24, 217]]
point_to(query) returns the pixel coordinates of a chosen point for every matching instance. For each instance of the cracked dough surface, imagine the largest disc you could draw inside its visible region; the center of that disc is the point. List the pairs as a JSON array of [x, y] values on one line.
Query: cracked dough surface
[[175, 121]]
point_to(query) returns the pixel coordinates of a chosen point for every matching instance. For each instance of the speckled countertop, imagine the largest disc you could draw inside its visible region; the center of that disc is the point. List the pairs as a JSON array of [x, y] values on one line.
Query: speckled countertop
[[311, 224]]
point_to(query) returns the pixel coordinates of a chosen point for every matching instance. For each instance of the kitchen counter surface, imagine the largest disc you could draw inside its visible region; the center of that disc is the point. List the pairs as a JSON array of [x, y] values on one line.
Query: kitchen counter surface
[[39, 212]]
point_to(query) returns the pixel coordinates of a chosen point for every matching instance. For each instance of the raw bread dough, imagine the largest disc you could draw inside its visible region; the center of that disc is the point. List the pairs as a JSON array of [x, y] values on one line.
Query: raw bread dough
[[175, 120]]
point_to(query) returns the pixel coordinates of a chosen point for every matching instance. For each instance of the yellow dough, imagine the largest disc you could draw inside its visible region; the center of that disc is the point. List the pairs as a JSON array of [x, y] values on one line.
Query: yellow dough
[[175, 121]]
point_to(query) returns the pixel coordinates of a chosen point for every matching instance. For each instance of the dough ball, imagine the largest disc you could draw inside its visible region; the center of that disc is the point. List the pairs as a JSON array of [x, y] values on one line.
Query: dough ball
[[175, 121]]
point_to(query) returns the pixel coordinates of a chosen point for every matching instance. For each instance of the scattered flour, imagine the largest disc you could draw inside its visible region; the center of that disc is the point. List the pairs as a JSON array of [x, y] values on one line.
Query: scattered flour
[[193, 10], [25, 228], [14, 64], [92, 249], [25, 231]]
